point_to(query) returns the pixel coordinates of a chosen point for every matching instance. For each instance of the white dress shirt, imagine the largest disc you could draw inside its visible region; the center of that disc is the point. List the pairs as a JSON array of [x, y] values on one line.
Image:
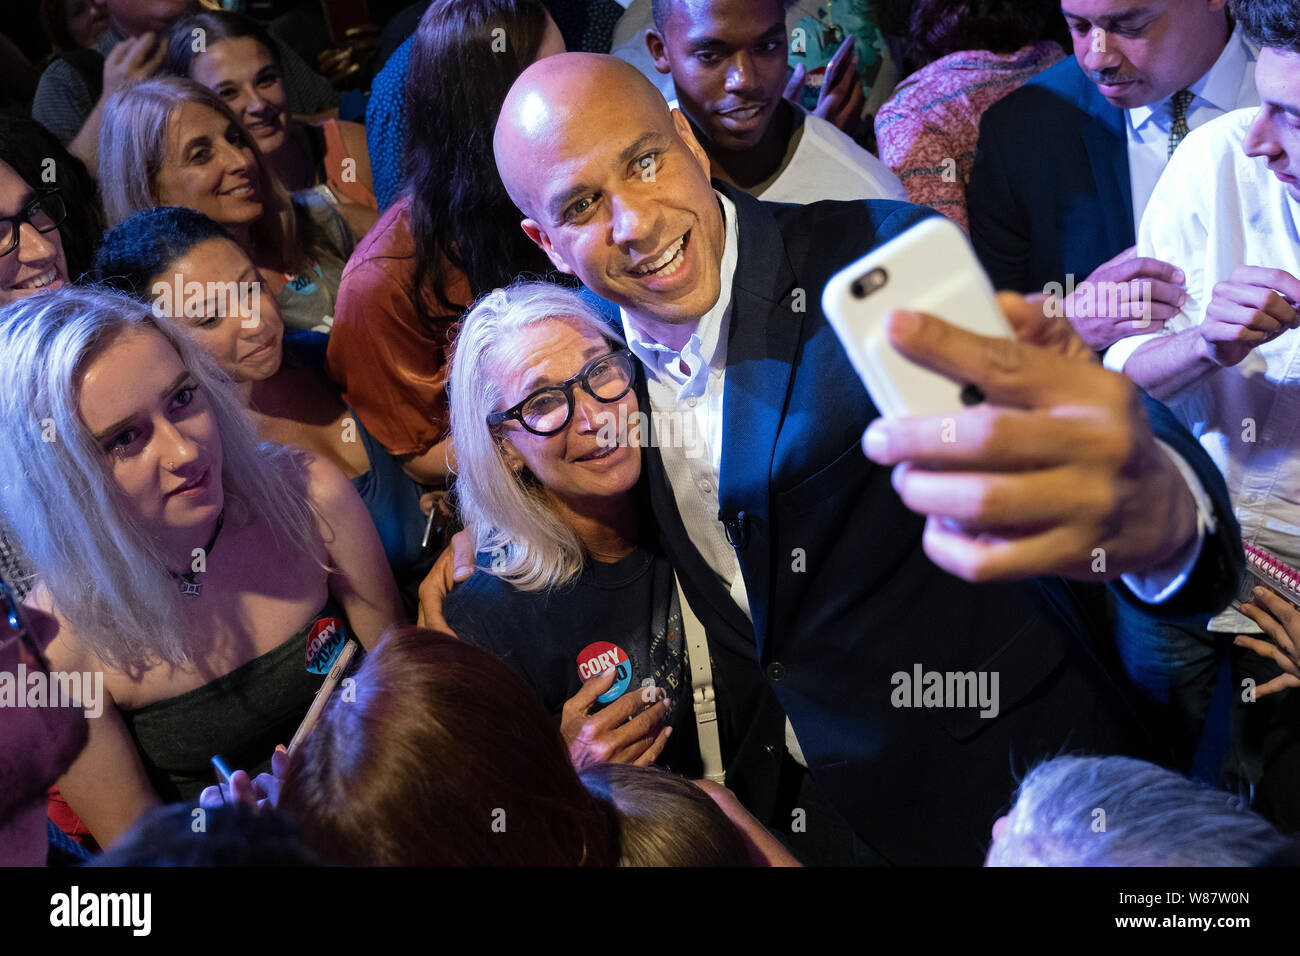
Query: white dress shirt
[[1216, 209], [1229, 85], [694, 468]]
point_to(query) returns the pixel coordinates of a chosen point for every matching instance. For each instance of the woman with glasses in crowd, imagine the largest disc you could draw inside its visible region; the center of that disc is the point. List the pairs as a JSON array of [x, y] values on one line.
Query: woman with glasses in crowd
[[31, 249], [172, 142], [570, 585], [240, 63], [49, 170], [207, 578]]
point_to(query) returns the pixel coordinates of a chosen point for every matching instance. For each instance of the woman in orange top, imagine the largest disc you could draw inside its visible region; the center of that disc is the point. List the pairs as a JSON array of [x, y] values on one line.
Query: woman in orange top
[[453, 235]]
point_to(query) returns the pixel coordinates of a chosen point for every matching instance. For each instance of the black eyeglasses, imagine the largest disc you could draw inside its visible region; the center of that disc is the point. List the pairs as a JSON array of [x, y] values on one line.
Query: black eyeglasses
[[547, 410], [44, 214]]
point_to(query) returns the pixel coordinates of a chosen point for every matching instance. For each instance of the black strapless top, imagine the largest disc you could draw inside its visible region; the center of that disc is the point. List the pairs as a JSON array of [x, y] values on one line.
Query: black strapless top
[[241, 716]]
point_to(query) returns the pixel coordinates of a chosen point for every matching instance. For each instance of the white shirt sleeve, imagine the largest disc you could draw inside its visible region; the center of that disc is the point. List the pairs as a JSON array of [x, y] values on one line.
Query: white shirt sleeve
[[1160, 584]]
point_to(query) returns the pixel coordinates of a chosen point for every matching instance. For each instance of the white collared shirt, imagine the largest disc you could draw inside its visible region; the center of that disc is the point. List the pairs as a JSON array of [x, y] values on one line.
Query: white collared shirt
[[1216, 209], [690, 405], [690, 402], [1228, 85]]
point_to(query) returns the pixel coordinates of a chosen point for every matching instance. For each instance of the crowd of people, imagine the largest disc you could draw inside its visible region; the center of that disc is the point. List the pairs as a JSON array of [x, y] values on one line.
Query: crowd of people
[[488, 442]]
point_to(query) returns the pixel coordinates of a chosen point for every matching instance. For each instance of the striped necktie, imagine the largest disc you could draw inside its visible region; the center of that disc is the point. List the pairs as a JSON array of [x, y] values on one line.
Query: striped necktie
[[1178, 129]]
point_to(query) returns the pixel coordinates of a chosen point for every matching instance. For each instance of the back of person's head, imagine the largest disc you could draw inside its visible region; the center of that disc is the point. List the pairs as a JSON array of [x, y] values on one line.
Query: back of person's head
[[133, 148], [932, 29], [42, 161], [439, 754], [146, 243], [509, 509], [1269, 23], [664, 819], [1118, 811], [190, 35], [465, 57], [232, 835], [73, 522]]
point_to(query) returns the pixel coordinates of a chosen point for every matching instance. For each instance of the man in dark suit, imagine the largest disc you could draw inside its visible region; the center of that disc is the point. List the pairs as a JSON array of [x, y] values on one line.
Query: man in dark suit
[[1065, 164], [784, 522]]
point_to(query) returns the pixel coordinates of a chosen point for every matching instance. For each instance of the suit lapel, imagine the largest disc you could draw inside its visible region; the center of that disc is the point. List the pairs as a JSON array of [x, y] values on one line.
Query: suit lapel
[[1107, 146], [762, 345]]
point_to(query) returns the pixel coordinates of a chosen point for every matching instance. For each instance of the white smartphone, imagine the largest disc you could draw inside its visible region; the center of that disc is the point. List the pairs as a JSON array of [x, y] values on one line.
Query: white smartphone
[[929, 268]]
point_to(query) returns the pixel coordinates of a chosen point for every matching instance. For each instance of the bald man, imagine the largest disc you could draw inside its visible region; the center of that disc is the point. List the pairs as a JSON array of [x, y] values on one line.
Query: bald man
[[809, 573]]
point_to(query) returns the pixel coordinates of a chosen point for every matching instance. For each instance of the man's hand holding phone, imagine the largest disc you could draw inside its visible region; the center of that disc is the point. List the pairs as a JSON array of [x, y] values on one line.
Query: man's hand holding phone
[[1057, 466]]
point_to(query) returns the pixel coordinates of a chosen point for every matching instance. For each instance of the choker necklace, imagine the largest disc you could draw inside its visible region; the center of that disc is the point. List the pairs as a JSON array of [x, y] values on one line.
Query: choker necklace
[[189, 587]]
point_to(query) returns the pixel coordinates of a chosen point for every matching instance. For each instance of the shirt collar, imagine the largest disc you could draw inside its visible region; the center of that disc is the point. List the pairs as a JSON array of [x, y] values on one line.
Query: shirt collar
[[1218, 87], [702, 348]]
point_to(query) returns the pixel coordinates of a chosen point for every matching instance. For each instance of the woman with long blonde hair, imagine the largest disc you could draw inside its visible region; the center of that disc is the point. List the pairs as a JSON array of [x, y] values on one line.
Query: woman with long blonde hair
[[202, 580]]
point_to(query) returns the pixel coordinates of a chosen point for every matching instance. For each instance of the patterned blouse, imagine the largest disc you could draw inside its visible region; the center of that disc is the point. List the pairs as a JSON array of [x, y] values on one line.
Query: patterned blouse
[[928, 130]]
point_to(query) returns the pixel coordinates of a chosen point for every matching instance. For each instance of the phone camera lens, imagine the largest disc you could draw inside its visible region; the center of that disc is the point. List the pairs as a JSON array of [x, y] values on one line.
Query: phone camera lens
[[868, 284]]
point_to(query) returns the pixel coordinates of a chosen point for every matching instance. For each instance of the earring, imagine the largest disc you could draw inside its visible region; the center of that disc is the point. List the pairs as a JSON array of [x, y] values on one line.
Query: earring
[[171, 466]]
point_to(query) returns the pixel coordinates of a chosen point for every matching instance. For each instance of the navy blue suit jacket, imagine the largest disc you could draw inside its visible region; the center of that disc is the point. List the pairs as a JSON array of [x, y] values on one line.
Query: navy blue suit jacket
[[843, 596], [1049, 193]]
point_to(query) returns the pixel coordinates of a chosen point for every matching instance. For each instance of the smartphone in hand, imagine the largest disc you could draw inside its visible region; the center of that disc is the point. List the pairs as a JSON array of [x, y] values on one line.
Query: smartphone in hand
[[929, 268]]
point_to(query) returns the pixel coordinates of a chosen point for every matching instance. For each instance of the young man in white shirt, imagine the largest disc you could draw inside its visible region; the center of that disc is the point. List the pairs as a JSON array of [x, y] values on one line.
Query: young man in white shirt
[[1227, 212], [728, 63]]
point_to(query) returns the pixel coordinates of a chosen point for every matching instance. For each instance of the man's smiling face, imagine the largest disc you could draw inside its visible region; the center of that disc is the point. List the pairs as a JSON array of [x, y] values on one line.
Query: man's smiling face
[[728, 61], [614, 186]]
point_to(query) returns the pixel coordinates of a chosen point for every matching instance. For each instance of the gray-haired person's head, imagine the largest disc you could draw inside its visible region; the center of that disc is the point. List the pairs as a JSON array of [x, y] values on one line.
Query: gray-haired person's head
[[83, 539], [507, 508], [1118, 811]]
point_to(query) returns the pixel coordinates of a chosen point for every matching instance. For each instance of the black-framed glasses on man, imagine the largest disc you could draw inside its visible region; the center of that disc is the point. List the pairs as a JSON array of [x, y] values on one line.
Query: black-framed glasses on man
[[45, 213], [14, 628], [548, 410]]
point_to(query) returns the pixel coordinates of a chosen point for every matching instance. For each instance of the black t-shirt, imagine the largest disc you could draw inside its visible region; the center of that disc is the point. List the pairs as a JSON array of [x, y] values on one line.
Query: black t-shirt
[[623, 614]]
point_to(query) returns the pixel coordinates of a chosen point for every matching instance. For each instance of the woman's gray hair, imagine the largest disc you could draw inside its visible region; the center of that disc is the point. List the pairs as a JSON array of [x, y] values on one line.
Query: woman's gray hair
[[105, 573], [532, 547], [133, 142], [1118, 811]]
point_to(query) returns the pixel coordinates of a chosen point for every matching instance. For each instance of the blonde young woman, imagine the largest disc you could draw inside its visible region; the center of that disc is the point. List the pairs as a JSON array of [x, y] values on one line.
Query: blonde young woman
[[205, 577], [172, 142]]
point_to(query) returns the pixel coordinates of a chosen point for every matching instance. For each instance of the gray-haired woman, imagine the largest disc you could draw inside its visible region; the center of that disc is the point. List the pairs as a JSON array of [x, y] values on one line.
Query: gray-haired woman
[[570, 589]]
